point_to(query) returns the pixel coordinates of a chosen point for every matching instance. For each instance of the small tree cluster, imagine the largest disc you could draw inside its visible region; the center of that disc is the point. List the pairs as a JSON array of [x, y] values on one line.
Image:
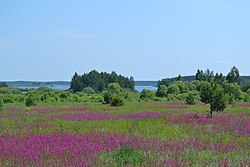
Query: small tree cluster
[[113, 95], [99, 81], [147, 95]]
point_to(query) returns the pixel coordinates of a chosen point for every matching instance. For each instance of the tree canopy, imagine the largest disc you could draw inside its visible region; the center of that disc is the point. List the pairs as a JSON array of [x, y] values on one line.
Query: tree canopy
[[99, 81], [213, 94]]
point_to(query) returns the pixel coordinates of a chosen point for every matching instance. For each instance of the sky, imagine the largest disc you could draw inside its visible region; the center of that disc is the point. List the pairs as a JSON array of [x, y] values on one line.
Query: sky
[[147, 39]]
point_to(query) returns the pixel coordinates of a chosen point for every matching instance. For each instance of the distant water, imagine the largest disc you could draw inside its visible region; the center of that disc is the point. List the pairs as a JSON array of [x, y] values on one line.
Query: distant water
[[140, 88], [56, 87], [65, 87]]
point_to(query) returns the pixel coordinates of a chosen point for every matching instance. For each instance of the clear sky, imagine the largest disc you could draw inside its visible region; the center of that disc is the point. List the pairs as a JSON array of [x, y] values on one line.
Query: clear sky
[[148, 39]]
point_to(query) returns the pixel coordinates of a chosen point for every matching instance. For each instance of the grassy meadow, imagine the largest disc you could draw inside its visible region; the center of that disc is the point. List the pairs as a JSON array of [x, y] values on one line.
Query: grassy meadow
[[136, 134]]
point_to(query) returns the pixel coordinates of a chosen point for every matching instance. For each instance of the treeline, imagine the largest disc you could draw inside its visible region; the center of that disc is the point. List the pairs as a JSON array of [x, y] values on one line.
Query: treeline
[[180, 89], [244, 79], [99, 81]]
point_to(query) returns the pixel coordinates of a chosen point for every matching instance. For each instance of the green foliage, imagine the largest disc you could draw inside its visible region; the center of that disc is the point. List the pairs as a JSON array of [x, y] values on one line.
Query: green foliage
[[113, 95], [164, 82], [31, 100], [117, 100], [214, 95], [99, 81], [1, 104], [179, 78], [147, 95], [246, 87], [162, 91], [219, 78], [3, 84], [204, 76], [233, 92], [7, 90], [125, 156], [174, 89], [88, 90], [190, 99], [245, 97], [182, 86], [233, 76]]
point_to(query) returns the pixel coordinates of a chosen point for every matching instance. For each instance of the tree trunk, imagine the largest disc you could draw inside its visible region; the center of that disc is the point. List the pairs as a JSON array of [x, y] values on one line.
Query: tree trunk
[[211, 113]]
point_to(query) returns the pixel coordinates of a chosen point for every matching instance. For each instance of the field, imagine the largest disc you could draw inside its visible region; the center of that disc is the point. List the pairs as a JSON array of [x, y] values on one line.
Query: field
[[137, 134]]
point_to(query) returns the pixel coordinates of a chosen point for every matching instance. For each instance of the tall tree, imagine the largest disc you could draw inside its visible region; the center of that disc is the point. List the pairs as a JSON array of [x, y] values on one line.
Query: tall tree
[[76, 83], [219, 78], [233, 76], [179, 78], [214, 95]]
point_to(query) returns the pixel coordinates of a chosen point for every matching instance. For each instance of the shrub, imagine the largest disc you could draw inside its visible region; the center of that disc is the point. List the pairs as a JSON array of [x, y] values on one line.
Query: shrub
[[147, 94], [31, 100], [162, 91], [190, 99], [117, 100], [1, 104], [88, 91]]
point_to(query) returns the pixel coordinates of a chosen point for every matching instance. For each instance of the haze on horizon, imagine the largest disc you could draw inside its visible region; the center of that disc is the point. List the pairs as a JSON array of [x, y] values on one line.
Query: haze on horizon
[[149, 40]]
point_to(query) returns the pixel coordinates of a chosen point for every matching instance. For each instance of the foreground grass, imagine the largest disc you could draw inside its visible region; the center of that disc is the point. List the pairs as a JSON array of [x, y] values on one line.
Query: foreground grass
[[171, 138]]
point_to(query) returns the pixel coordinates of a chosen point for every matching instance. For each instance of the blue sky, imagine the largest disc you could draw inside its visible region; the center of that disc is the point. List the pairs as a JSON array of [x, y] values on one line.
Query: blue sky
[[147, 39]]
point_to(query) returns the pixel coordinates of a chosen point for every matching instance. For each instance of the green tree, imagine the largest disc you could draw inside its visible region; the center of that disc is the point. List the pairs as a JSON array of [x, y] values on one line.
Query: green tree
[[31, 100], [246, 87], [117, 100], [88, 90], [99, 81], [162, 91], [174, 89], [164, 82], [233, 92], [214, 95], [113, 89], [200, 75], [204, 76], [147, 94], [3, 84], [1, 104], [219, 78], [233, 76], [190, 99], [76, 83], [182, 86], [179, 78]]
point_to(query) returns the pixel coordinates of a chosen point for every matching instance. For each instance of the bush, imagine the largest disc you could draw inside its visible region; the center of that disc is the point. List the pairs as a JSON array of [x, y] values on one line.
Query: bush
[[31, 101], [1, 104], [113, 89], [88, 91], [174, 89], [162, 91], [190, 99], [125, 156], [147, 94], [117, 101]]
